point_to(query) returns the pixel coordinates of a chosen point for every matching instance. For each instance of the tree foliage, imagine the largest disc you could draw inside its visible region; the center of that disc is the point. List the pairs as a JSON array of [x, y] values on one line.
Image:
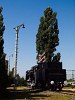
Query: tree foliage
[[3, 70], [47, 36]]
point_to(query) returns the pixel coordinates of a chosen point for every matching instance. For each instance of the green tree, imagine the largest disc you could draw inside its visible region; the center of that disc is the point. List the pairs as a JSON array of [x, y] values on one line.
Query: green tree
[[47, 36], [3, 69]]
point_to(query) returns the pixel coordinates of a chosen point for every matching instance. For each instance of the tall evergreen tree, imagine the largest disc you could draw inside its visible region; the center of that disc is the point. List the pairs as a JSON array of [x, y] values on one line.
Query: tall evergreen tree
[[47, 36], [3, 72]]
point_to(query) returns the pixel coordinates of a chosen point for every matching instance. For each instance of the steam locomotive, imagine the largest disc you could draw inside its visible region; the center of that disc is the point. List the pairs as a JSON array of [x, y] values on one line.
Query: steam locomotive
[[46, 76]]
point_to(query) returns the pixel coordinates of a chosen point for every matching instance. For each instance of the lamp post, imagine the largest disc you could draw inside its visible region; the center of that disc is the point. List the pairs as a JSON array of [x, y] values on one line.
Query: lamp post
[[17, 28], [9, 63]]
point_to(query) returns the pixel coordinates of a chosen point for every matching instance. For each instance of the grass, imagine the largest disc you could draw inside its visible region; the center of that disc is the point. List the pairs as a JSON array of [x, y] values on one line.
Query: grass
[[47, 95], [28, 94]]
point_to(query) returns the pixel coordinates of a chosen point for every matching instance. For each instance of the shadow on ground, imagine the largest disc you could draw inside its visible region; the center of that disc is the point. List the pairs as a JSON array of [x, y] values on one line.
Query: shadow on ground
[[28, 94], [23, 94]]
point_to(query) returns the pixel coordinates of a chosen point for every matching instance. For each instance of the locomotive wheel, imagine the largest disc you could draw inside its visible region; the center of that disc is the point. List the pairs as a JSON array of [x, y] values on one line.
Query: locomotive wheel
[[60, 87], [53, 88]]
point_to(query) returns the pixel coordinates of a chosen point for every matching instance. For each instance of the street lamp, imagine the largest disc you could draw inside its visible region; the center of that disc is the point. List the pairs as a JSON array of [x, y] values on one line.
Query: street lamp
[[17, 28]]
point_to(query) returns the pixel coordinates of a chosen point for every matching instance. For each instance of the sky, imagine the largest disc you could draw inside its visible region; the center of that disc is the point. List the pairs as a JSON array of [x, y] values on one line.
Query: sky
[[28, 12]]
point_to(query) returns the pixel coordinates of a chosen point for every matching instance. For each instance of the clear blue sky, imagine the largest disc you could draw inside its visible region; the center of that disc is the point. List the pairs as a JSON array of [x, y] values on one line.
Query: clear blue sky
[[29, 12]]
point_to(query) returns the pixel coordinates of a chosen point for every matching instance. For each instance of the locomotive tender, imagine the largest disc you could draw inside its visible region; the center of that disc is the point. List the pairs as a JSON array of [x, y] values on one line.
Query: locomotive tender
[[47, 76]]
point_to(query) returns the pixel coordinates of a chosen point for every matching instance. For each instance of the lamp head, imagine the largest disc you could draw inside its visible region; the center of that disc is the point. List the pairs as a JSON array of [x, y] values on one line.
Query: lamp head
[[23, 26]]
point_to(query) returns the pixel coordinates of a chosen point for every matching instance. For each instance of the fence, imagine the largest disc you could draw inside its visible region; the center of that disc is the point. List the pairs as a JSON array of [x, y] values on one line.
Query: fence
[[70, 74]]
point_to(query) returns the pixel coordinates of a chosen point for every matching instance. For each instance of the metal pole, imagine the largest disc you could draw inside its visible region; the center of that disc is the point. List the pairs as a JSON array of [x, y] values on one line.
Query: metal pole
[[8, 65], [16, 51], [8, 59], [16, 48], [73, 75]]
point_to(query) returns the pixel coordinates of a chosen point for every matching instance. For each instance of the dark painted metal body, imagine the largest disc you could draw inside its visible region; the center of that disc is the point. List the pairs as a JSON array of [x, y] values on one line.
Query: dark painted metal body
[[44, 74]]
